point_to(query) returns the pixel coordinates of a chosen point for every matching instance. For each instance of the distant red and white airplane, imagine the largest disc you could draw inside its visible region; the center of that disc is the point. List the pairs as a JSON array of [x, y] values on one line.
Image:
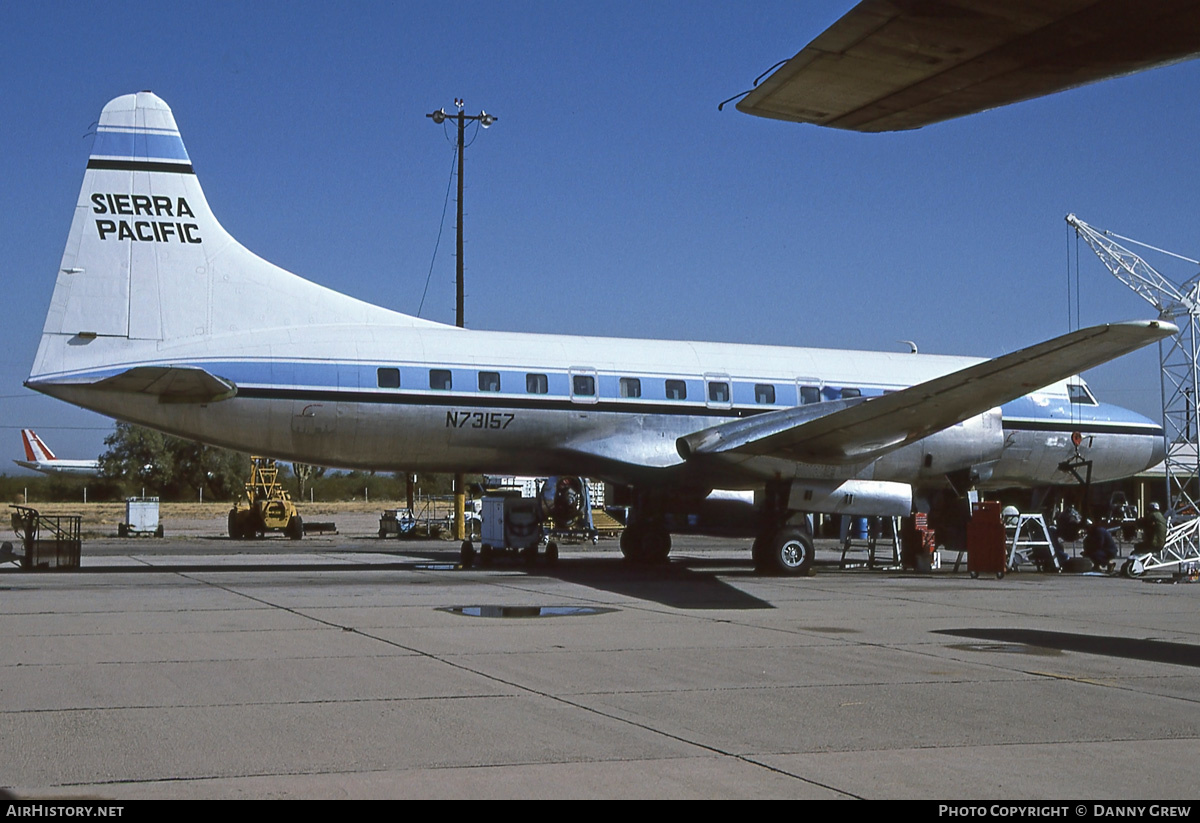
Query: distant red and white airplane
[[39, 458]]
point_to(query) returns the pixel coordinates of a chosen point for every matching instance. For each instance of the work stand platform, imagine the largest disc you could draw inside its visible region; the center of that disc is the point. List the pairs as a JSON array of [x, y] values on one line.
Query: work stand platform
[[882, 551], [50, 542]]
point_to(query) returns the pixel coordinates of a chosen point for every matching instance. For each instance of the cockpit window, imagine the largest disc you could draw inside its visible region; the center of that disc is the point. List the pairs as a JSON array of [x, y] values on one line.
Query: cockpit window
[[1079, 394]]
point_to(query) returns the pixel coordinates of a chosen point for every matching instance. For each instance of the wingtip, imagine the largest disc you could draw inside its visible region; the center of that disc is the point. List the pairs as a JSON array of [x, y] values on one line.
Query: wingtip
[[1168, 327], [1159, 327]]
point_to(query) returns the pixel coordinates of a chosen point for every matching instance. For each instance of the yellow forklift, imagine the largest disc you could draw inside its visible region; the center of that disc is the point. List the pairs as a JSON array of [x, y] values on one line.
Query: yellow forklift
[[267, 506]]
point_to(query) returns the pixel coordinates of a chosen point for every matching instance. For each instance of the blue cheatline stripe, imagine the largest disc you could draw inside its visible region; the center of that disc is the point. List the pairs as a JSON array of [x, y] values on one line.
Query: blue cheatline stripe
[[139, 146], [1084, 426]]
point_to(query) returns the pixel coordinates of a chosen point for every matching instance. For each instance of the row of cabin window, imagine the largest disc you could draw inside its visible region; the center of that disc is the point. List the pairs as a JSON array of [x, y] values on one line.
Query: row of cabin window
[[584, 385]]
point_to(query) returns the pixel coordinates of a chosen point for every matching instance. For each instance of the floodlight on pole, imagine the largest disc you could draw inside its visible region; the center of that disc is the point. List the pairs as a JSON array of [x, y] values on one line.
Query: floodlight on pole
[[484, 119]]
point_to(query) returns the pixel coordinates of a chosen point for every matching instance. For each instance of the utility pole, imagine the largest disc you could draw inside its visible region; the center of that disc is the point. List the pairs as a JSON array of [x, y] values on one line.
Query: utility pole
[[484, 119]]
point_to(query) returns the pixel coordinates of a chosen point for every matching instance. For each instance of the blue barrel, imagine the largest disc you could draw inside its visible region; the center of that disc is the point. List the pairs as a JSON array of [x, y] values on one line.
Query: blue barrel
[[858, 528]]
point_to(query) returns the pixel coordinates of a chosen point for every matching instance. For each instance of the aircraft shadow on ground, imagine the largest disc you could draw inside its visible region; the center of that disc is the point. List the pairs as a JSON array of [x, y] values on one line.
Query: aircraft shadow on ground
[[679, 584], [1154, 651], [692, 584]]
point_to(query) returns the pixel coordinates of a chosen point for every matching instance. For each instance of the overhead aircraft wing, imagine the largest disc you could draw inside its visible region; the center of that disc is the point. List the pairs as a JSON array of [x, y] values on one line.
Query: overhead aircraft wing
[[172, 384], [858, 430], [889, 65]]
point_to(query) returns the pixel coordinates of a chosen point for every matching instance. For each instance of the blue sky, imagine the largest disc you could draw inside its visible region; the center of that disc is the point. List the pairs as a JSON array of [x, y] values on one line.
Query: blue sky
[[611, 197]]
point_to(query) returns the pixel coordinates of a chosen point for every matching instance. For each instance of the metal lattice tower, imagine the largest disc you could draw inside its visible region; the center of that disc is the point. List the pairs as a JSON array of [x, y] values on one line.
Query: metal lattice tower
[[1178, 358]]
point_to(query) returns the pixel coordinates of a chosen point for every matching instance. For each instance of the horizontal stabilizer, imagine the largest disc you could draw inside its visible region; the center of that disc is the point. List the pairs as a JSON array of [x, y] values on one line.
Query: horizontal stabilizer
[[874, 426], [172, 384]]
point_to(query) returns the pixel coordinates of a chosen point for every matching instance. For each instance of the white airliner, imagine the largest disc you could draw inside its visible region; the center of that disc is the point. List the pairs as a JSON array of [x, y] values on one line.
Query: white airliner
[[39, 458], [160, 317]]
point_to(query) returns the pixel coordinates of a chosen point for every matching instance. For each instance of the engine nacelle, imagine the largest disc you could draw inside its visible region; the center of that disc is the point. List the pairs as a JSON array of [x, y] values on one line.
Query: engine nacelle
[[881, 498], [971, 445], [564, 500]]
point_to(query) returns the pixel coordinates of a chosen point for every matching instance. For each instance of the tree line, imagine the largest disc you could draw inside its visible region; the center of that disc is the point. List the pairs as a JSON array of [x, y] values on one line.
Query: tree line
[[137, 460]]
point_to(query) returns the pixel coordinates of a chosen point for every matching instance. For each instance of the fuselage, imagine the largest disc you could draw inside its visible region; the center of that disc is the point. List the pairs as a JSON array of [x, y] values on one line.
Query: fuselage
[[61, 466], [437, 398]]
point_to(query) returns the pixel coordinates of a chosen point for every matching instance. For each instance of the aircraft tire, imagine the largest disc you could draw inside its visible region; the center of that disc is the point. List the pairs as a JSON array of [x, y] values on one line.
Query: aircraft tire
[[631, 543], [466, 554], [235, 531], [758, 553], [789, 552], [656, 545], [551, 552], [646, 544]]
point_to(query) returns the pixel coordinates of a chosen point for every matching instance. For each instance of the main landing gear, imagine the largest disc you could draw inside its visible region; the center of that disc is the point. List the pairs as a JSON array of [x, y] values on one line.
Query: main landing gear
[[646, 542], [645, 539], [785, 550], [783, 547]]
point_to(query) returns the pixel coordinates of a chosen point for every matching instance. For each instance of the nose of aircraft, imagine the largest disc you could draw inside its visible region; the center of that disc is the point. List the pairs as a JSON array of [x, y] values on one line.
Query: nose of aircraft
[[1138, 447], [1154, 448], [1158, 452]]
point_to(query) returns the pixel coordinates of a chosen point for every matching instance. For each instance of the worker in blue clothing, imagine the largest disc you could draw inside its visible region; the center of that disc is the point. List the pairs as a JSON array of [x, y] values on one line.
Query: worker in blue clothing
[[1099, 547]]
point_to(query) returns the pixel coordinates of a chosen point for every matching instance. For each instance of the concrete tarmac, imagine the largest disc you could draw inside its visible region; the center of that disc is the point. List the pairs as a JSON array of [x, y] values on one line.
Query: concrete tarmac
[[207, 668]]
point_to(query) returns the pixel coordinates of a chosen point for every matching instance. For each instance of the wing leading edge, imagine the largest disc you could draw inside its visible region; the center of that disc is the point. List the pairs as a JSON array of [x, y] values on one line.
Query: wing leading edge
[[852, 431]]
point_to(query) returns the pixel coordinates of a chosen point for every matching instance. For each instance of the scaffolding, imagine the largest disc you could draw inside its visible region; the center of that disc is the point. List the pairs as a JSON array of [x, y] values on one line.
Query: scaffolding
[[1178, 358]]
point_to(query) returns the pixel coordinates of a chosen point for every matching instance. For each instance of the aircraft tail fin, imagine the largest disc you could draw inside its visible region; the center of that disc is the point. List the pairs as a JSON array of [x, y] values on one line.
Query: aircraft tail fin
[[35, 450], [146, 259]]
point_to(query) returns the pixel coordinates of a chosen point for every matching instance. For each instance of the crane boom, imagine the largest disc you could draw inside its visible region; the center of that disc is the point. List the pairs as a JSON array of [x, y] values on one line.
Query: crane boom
[[1179, 363], [1137, 274]]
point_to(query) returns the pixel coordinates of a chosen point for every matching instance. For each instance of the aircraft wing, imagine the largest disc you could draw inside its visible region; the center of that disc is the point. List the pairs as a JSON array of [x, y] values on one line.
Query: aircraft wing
[[889, 65], [172, 384], [851, 431]]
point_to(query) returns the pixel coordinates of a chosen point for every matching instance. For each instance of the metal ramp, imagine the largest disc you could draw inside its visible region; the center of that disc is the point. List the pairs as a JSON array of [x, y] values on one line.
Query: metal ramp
[[882, 552], [606, 525], [50, 541]]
